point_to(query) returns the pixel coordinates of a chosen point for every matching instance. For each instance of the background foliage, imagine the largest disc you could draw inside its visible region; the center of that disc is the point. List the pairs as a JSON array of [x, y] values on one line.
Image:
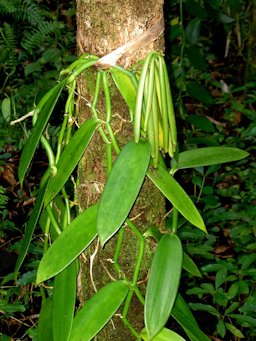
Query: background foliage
[[207, 49]]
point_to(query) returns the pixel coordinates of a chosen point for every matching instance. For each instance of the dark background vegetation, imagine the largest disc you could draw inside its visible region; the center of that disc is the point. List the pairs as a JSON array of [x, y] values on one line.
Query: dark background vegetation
[[210, 53]]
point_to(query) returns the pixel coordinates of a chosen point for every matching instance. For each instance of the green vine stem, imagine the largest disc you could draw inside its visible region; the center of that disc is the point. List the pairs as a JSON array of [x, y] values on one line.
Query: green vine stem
[[118, 249], [46, 233], [175, 214], [135, 277], [67, 211], [107, 97], [61, 136], [53, 219]]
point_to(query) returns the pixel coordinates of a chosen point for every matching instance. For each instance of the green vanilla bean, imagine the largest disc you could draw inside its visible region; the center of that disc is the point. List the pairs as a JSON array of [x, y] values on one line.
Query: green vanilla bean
[[107, 97], [139, 99], [149, 95]]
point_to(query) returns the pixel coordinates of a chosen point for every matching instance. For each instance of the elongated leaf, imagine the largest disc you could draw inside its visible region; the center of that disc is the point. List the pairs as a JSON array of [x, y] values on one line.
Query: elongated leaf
[[208, 156], [11, 308], [163, 283], [185, 318], [164, 335], [205, 307], [190, 266], [193, 31], [234, 330], [200, 93], [30, 228], [63, 305], [243, 319], [70, 157], [98, 311], [122, 187], [176, 195], [45, 331], [50, 100], [72, 241], [126, 87]]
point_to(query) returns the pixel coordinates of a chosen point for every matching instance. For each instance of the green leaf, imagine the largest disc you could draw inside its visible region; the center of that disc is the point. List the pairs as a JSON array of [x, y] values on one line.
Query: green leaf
[[163, 283], [12, 308], [190, 266], [176, 195], [30, 228], [182, 314], [199, 93], [225, 19], [49, 101], [164, 335], [72, 241], [243, 319], [201, 122], [221, 329], [197, 60], [234, 330], [122, 187], [63, 304], [195, 9], [205, 307], [193, 31], [126, 87], [98, 311], [70, 157], [45, 329], [208, 156], [6, 109]]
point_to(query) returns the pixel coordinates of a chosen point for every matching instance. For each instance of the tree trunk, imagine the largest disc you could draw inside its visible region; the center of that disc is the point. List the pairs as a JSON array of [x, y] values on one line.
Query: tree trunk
[[103, 26]]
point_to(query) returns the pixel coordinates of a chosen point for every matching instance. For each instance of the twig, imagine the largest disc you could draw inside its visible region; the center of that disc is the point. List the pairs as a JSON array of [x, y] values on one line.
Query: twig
[[22, 118]]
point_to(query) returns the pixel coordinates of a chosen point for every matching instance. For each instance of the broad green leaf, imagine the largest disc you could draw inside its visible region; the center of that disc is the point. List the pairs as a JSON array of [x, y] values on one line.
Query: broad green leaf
[[225, 19], [234, 330], [190, 266], [199, 93], [205, 307], [220, 328], [176, 195], [195, 9], [50, 100], [45, 329], [208, 156], [63, 304], [122, 187], [163, 283], [98, 311], [201, 122], [243, 319], [6, 109], [193, 31], [126, 87], [11, 308], [182, 314], [30, 228], [72, 241], [70, 157], [197, 60], [164, 335]]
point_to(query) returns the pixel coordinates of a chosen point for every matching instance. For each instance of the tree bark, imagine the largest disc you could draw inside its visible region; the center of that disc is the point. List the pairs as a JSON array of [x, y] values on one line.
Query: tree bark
[[103, 26]]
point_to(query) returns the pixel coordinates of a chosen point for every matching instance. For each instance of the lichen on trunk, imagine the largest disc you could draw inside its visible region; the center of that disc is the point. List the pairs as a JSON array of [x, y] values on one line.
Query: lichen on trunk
[[101, 28]]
